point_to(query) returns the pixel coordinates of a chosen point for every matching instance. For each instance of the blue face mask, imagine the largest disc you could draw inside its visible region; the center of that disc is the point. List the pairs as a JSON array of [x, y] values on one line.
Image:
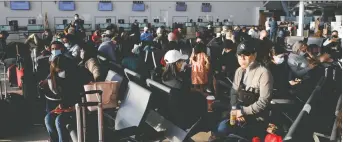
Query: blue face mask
[[56, 52]]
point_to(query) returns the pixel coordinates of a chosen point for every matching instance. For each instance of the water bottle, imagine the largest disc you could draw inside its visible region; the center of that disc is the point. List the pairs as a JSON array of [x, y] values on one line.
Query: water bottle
[[233, 116]]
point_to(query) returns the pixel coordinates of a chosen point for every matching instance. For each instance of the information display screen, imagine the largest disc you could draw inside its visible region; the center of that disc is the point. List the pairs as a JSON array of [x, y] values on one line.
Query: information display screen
[[66, 5], [105, 6], [20, 5], [138, 7], [181, 7], [206, 8]]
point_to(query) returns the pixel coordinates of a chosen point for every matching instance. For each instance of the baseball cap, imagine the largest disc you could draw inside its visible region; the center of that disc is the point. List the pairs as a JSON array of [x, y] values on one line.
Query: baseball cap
[[173, 55], [107, 32], [246, 47]]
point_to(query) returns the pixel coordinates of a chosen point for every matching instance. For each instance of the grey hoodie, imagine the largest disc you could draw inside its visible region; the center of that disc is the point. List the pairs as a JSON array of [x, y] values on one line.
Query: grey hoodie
[[297, 63]]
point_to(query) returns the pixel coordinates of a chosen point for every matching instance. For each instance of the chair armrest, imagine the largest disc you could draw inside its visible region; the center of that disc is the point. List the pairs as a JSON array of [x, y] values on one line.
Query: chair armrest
[[282, 101], [241, 139]]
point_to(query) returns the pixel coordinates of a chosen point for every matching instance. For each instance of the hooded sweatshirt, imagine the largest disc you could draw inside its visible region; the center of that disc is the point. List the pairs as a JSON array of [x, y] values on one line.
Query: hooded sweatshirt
[[297, 63]]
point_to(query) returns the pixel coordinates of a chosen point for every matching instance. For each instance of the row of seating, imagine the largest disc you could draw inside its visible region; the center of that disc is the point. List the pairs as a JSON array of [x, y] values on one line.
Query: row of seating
[[141, 106]]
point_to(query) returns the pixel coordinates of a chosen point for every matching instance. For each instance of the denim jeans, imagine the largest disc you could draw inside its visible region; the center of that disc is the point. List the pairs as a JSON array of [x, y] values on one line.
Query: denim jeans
[[247, 130], [56, 126]]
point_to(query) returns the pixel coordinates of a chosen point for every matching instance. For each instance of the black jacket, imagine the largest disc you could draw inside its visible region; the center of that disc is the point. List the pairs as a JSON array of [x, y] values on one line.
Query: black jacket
[[229, 60]]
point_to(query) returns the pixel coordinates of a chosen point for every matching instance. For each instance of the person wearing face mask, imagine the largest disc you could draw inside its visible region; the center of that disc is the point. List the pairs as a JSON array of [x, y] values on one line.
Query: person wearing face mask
[[90, 62], [254, 33], [251, 94], [64, 85], [107, 47], [280, 70], [333, 46], [72, 47], [227, 61], [226, 66], [297, 61], [78, 23], [177, 77]]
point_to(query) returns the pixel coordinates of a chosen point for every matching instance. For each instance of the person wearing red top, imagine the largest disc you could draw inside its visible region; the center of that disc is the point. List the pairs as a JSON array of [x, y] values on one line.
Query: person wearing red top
[[96, 38]]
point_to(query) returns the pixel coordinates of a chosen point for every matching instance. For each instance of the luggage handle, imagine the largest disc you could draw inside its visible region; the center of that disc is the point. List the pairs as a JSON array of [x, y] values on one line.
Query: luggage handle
[[91, 92], [86, 104]]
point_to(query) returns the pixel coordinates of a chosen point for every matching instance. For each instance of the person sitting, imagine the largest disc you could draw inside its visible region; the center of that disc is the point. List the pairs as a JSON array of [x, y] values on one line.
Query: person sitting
[[251, 94], [71, 45], [176, 76], [89, 61], [96, 38], [280, 70], [227, 65], [333, 46], [107, 47], [297, 61], [63, 82]]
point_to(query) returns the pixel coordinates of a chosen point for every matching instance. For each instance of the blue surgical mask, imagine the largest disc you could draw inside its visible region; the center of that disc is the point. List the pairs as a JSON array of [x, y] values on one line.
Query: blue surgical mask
[[56, 52]]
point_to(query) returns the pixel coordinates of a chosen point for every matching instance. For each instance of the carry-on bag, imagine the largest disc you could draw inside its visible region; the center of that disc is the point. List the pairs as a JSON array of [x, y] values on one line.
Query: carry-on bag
[[81, 116], [109, 94]]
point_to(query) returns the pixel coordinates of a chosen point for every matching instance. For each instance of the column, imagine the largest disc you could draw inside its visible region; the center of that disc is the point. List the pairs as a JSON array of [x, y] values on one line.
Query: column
[[300, 31]]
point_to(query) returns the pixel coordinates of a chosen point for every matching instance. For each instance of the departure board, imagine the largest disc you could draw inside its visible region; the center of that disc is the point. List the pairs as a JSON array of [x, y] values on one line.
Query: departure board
[[66, 5], [206, 8], [20, 5], [105, 6], [138, 7]]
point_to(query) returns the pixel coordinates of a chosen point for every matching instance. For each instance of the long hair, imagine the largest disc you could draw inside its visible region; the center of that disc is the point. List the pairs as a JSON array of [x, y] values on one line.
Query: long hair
[[89, 51], [170, 72], [199, 48], [59, 63]]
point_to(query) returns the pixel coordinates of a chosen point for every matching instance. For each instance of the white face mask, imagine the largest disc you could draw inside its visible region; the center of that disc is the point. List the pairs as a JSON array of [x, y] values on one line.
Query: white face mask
[[278, 60], [302, 53], [67, 45], [183, 67], [62, 74]]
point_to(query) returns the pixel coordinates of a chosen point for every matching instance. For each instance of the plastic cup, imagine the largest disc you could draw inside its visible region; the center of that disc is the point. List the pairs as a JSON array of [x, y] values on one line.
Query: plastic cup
[[210, 101]]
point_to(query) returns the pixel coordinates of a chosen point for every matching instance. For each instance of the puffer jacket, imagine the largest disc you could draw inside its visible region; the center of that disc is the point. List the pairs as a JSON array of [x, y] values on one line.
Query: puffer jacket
[[93, 66]]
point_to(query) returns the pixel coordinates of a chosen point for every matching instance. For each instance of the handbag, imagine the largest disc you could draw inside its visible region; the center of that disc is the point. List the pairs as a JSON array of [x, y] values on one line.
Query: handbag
[[109, 96]]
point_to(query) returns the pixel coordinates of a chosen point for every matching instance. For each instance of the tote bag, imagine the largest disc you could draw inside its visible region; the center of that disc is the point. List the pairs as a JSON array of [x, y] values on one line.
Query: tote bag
[[109, 94]]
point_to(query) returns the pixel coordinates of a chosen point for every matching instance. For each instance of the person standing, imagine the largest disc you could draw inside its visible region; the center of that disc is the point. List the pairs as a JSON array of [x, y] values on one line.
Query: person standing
[[273, 29], [200, 67]]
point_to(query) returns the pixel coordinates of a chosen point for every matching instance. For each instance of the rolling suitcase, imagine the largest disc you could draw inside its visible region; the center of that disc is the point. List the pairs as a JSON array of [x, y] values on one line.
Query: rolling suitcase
[[13, 106], [12, 75], [81, 116]]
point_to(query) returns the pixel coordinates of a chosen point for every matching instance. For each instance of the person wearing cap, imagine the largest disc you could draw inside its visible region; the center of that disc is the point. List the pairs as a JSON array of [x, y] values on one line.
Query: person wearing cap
[[107, 47], [176, 76], [251, 94]]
